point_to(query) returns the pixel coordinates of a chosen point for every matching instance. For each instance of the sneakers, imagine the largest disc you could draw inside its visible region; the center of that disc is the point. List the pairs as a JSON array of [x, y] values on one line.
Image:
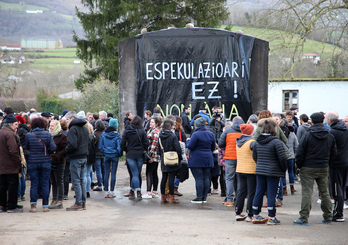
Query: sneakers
[[248, 219], [66, 197], [155, 195], [147, 196], [107, 195], [332, 201], [176, 192], [98, 188], [139, 198], [273, 221], [229, 204], [300, 222], [240, 217], [23, 198], [75, 207], [112, 195], [53, 204], [45, 210], [326, 222], [56, 205], [197, 200], [33, 208], [215, 191], [338, 219], [319, 201], [225, 200], [204, 199], [259, 220], [345, 206], [16, 210]]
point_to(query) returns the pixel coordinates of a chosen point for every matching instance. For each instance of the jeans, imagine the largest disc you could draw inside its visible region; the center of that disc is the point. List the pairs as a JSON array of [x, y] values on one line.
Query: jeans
[[110, 164], [57, 181], [230, 172], [176, 182], [8, 188], [21, 185], [246, 187], [290, 166], [99, 170], [66, 178], [263, 184], [88, 178], [320, 175], [202, 179], [280, 189], [78, 172], [135, 165], [40, 178]]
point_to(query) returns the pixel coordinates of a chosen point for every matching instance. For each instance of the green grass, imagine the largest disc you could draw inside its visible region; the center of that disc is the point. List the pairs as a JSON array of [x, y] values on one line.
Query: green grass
[[280, 40], [18, 7]]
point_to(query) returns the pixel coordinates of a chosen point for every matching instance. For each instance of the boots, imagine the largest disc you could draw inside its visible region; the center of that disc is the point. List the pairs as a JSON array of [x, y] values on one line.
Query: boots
[[164, 198], [292, 188], [285, 192], [131, 195], [172, 199], [33, 208], [139, 197], [176, 192]]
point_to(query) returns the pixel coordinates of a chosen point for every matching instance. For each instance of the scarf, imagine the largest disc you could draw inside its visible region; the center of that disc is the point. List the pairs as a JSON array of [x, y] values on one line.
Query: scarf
[[56, 129]]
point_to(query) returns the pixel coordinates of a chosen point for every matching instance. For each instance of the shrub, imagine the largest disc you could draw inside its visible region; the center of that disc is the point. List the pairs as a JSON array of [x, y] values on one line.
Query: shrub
[[56, 105]]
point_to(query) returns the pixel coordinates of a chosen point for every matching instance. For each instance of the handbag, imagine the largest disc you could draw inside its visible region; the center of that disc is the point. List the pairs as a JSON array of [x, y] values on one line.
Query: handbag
[[170, 158], [146, 156]]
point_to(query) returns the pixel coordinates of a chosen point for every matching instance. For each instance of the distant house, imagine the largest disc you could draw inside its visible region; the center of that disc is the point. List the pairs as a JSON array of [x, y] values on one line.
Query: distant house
[[313, 57], [41, 43], [12, 59], [10, 47]]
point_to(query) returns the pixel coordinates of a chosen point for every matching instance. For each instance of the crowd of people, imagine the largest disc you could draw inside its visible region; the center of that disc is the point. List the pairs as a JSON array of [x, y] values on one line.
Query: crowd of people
[[245, 159]]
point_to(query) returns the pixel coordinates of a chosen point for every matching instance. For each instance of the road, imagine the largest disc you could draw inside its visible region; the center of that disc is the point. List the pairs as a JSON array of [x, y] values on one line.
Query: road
[[122, 221]]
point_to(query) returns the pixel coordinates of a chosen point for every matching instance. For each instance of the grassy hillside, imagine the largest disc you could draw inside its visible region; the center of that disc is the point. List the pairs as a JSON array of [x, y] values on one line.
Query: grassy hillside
[[280, 40]]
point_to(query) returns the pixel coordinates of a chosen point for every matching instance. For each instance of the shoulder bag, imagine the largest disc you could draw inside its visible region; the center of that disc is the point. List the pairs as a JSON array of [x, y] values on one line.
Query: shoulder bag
[[145, 155], [170, 158]]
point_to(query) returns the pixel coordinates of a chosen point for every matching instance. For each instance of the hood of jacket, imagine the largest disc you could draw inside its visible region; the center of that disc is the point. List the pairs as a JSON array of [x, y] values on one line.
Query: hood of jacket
[[242, 140], [132, 129], [166, 134], [265, 138], [319, 131], [110, 133], [236, 125], [261, 122], [77, 122], [340, 125]]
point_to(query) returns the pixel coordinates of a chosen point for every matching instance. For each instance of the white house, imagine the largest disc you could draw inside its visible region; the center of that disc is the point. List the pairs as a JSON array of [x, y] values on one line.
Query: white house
[[309, 96]]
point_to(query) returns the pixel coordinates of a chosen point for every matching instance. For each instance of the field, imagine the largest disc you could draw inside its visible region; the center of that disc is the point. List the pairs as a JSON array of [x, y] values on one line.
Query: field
[[19, 7]]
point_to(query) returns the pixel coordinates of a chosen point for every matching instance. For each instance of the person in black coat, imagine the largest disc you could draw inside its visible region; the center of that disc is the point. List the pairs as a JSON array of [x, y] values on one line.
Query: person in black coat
[[134, 142], [186, 121], [270, 158], [169, 142]]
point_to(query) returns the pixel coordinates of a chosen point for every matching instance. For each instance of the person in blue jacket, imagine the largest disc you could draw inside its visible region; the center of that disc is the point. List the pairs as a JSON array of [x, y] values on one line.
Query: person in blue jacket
[[202, 144], [110, 146], [201, 112]]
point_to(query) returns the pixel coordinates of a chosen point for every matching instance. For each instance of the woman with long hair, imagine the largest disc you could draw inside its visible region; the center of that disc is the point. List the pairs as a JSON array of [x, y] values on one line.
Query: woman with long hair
[[134, 142], [57, 165], [40, 144], [169, 142], [153, 152]]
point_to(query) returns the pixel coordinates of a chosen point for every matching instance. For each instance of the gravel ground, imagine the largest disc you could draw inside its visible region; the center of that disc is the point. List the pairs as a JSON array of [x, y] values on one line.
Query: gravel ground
[[122, 221]]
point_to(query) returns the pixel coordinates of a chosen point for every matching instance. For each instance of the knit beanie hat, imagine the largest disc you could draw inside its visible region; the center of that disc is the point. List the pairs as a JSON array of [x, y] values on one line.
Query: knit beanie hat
[[200, 122], [113, 123], [317, 117], [246, 129], [64, 112], [20, 119], [8, 110], [11, 119]]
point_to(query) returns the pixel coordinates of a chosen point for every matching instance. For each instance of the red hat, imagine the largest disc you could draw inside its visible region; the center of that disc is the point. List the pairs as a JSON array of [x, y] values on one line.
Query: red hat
[[20, 119], [246, 128]]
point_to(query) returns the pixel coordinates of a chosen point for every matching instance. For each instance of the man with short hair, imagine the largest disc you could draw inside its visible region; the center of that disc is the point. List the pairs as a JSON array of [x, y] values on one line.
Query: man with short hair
[[228, 141], [201, 112], [294, 112], [315, 153], [339, 168], [103, 116], [345, 120], [156, 112], [10, 166], [77, 150], [289, 115], [90, 117], [127, 119], [304, 127], [186, 121], [217, 122]]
